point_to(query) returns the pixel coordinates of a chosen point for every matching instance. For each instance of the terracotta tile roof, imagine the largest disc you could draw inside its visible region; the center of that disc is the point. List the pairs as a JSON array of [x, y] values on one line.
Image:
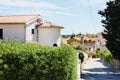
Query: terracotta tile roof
[[94, 39], [17, 18], [99, 38], [49, 25], [77, 39], [69, 41]]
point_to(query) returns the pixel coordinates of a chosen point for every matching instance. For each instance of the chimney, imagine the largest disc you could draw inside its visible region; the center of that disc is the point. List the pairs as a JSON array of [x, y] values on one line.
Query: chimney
[[82, 40]]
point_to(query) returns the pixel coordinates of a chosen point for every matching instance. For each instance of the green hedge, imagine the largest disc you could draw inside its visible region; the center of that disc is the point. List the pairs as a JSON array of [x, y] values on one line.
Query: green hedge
[[104, 55], [20, 61]]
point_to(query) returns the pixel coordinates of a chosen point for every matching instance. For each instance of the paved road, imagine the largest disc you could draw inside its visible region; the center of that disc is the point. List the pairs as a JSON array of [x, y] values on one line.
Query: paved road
[[95, 69]]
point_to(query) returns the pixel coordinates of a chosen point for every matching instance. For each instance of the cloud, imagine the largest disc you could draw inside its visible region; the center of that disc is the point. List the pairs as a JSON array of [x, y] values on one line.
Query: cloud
[[29, 4], [91, 2], [66, 14], [63, 13], [42, 12], [18, 7]]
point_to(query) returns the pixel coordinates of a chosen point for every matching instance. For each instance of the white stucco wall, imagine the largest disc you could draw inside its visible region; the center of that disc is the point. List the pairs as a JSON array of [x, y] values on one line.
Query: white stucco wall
[[92, 47], [13, 30], [101, 42], [29, 36], [49, 36]]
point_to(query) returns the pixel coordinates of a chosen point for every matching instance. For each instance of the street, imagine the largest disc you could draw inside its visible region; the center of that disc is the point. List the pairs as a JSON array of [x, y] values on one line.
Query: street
[[96, 69]]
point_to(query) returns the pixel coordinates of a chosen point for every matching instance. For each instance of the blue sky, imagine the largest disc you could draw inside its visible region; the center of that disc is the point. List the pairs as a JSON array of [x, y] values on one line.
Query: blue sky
[[74, 15]]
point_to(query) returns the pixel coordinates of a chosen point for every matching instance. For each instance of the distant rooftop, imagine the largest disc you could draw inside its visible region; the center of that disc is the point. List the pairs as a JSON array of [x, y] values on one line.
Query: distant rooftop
[[17, 18]]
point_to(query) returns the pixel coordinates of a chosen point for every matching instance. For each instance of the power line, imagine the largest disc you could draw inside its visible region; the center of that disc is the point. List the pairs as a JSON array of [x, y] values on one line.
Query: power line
[[91, 13]]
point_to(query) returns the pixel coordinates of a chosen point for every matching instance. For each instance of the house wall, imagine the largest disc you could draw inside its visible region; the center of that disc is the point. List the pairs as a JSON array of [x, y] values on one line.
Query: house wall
[[49, 36], [90, 46], [13, 30], [101, 42], [29, 36]]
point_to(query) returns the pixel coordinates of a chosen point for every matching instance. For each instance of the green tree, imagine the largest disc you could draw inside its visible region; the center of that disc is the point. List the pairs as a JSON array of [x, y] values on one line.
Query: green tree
[[72, 36], [94, 36], [79, 35], [111, 23]]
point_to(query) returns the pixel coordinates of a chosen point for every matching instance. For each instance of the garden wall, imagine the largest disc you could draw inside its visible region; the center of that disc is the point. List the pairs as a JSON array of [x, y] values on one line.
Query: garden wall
[[115, 63]]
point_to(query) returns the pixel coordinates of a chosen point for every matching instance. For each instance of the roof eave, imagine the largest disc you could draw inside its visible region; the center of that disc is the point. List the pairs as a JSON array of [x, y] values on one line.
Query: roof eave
[[52, 27], [28, 22], [12, 22]]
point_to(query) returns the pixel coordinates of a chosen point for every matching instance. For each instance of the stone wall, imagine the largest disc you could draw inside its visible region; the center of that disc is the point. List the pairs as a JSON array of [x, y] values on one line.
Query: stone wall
[[115, 63]]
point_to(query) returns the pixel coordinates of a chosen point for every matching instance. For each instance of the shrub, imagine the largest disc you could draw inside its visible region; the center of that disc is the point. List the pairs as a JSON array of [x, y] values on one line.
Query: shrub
[[20, 61], [104, 55], [108, 56], [75, 45]]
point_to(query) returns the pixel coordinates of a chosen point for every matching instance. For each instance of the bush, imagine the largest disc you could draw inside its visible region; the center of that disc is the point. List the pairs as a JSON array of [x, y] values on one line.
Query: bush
[[108, 57], [104, 55], [20, 61], [75, 45]]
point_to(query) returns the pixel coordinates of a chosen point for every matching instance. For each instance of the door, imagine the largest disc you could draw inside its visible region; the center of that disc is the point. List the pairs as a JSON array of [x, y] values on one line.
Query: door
[[1, 33]]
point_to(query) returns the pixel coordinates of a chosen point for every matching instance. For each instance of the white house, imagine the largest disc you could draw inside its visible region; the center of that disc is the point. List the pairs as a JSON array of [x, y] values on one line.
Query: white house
[[30, 28], [93, 43], [49, 34]]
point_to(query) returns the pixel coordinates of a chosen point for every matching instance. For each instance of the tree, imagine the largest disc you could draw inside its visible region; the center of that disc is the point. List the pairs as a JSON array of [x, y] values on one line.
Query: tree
[[72, 36], [79, 35], [111, 25]]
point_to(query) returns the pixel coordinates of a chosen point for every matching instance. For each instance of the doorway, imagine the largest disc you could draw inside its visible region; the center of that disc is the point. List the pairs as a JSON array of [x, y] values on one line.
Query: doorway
[[1, 33]]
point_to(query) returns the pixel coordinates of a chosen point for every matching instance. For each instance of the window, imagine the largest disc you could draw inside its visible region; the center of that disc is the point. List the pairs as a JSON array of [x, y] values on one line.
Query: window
[[32, 31]]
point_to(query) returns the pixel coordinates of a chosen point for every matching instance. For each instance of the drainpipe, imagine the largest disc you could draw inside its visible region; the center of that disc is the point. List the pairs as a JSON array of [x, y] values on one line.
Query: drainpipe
[[25, 33], [37, 32]]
